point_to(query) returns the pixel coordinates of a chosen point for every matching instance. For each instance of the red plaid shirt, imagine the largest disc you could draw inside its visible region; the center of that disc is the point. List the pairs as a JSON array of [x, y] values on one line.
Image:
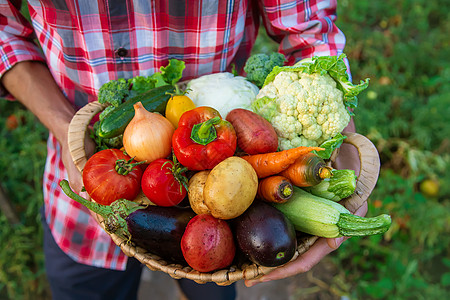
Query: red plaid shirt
[[86, 44]]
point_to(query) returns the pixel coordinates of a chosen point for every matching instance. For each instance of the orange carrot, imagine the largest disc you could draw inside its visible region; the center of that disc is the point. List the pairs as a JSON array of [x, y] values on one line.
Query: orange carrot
[[272, 163], [307, 170], [275, 188]]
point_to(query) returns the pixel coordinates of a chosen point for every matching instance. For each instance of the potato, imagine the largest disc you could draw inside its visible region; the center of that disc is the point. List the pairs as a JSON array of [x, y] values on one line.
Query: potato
[[195, 192], [230, 188], [255, 134]]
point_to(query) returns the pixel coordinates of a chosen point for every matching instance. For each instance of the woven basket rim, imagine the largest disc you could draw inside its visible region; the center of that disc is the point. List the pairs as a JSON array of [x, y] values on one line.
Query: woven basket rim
[[369, 171]]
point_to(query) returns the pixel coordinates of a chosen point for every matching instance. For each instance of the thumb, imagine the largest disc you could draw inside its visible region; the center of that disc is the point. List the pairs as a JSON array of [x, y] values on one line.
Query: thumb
[[336, 242]]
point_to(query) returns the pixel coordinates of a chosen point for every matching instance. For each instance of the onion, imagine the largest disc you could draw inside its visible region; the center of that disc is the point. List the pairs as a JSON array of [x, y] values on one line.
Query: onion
[[148, 136]]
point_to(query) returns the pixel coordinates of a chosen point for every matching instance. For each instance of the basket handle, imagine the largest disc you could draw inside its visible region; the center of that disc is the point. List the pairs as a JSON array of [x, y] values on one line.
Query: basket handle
[[77, 129], [369, 169]]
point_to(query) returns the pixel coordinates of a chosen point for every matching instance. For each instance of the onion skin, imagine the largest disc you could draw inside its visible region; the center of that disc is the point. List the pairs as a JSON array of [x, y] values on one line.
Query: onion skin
[[148, 136], [255, 135]]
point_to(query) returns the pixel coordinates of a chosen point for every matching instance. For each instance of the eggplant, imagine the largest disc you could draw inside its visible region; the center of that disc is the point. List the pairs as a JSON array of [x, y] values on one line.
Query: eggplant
[[160, 229], [157, 229], [265, 235]]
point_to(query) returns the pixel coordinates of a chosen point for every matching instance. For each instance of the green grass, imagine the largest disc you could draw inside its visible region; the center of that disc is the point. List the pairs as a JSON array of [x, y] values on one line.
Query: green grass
[[403, 47], [22, 274]]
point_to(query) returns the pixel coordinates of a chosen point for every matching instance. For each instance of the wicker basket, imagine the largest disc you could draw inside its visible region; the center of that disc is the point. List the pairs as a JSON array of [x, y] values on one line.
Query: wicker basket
[[367, 179]]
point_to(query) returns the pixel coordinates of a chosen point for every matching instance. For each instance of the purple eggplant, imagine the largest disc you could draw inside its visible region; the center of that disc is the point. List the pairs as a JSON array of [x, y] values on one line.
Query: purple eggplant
[[157, 229]]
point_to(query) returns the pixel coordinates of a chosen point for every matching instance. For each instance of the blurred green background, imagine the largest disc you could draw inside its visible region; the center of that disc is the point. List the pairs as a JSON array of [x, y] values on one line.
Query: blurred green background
[[403, 47]]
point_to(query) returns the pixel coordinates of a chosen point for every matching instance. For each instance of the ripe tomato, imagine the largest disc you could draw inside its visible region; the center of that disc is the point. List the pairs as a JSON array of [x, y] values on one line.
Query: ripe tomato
[[163, 182], [110, 175]]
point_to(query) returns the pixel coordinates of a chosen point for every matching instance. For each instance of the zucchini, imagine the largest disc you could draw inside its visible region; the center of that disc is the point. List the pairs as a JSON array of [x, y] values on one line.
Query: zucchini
[[325, 218], [154, 100], [340, 185]]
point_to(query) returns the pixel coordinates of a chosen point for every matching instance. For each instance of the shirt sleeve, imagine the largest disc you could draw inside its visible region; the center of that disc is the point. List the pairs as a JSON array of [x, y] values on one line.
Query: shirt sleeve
[[303, 28], [16, 40]]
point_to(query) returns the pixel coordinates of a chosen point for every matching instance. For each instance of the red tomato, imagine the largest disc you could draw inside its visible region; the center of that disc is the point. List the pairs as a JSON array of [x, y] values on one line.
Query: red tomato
[[162, 183], [110, 175]]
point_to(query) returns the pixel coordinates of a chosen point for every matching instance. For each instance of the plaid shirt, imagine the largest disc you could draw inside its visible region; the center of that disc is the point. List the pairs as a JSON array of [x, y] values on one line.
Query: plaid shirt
[[87, 43]]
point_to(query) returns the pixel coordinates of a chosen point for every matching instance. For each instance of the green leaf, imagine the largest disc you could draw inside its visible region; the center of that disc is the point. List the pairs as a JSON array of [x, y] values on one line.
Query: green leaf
[[173, 72], [330, 145], [141, 84]]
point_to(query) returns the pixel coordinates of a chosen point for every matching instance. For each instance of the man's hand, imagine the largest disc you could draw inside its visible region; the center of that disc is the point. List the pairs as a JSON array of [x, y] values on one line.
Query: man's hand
[[75, 176], [73, 173]]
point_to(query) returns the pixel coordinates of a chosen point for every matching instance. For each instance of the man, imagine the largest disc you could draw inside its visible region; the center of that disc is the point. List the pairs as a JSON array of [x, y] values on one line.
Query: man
[[86, 44]]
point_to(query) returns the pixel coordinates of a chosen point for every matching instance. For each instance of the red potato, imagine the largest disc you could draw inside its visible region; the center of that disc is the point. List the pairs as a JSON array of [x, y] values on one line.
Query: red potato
[[255, 134], [208, 244]]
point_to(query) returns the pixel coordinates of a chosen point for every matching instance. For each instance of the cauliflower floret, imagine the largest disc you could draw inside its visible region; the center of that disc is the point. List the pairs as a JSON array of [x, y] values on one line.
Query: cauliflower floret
[[297, 141], [269, 91], [313, 132], [286, 126], [288, 105], [282, 81]]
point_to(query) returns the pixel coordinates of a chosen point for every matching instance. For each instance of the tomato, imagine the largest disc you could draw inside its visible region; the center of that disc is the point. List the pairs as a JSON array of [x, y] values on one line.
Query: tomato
[[163, 182], [176, 106], [110, 175]]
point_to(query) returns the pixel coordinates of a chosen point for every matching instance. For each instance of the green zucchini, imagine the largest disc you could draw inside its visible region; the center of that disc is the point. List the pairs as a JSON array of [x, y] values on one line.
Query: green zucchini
[[154, 100], [340, 185], [325, 218]]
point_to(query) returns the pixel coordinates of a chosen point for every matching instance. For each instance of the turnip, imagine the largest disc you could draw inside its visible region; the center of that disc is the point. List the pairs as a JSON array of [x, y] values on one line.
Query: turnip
[[208, 243]]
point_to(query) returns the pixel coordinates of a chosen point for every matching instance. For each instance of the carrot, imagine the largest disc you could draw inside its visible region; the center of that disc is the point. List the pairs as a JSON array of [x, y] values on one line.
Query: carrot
[[307, 170], [272, 163], [275, 188]]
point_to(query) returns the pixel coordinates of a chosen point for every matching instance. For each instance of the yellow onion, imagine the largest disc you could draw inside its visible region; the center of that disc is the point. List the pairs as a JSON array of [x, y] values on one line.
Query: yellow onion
[[148, 136]]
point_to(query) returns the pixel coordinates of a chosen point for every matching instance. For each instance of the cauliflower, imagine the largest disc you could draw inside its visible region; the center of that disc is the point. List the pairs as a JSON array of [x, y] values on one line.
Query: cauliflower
[[222, 91], [308, 103]]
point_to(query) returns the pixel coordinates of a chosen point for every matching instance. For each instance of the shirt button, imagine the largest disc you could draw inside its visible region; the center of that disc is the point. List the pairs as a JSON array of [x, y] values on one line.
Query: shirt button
[[122, 52]]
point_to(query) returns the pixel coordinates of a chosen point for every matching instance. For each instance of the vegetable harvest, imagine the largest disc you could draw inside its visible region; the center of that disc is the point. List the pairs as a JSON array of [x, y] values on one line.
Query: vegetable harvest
[[225, 179]]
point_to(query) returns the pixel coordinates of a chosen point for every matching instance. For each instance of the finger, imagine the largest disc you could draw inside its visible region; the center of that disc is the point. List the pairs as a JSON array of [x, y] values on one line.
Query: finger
[[302, 264], [336, 242], [362, 210]]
